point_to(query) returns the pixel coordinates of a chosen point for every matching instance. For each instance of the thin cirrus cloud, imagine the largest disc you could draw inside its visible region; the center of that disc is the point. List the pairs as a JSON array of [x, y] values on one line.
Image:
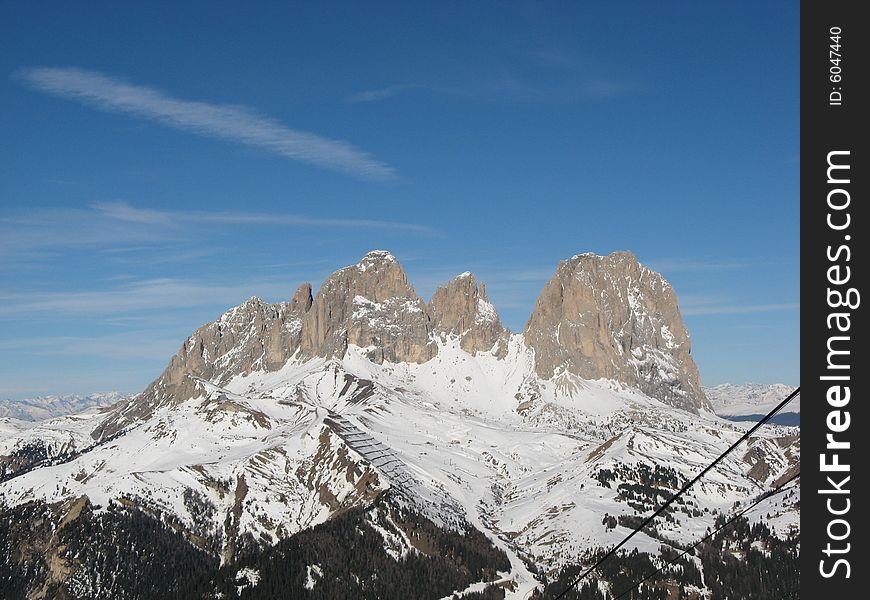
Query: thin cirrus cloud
[[709, 305], [385, 92], [229, 122], [506, 87], [739, 309], [686, 265], [140, 345], [136, 297], [123, 211], [533, 76], [120, 224]]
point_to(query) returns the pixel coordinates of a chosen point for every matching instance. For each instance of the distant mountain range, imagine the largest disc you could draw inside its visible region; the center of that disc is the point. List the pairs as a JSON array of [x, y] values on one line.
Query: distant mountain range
[[42, 408], [751, 401]]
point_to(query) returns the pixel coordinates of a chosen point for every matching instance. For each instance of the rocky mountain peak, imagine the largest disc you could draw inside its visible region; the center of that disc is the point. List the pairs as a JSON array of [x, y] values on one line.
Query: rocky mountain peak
[[252, 336], [370, 305], [611, 317], [598, 317], [376, 259], [462, 308], [302, 299]]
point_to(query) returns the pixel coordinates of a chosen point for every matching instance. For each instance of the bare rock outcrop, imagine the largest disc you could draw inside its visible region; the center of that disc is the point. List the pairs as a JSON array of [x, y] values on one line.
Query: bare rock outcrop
[[598, 317], [462, 308], [370, 305], [252, 336], [611, 317]]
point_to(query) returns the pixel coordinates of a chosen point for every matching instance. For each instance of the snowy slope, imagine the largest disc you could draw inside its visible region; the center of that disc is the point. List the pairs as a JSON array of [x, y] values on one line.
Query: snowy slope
[[49, 407], [535, 464], [732, 400], [275, 418]]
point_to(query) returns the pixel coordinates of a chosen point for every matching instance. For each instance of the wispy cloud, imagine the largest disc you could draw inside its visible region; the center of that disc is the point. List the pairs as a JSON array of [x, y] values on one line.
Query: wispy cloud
[[385, 92], [508, 85], [514, 73], [128, 298], [681, 265], [734, 309], [28, 238], [229, 122], [142, 345], [124, 212], [37, 235]]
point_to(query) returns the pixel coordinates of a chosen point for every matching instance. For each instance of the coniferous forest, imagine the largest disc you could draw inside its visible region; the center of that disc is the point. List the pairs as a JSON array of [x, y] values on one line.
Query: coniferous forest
[[123, 553], [743, 562]]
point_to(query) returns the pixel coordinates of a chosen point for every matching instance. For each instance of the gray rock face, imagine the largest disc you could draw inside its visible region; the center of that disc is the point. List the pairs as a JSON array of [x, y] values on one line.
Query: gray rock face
[[461, 308], [597, 317], [249, 337], [370, 305], [252, 336], [614, 318]]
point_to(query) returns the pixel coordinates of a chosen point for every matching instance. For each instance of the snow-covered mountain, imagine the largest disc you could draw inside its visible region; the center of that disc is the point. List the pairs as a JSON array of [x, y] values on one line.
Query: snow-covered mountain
[[49, 407], [753, 400], [367, 409]]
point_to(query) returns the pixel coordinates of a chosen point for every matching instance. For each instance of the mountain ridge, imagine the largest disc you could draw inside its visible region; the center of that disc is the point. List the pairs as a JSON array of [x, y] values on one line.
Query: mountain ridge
[[281, 420], [750, 401], [372, 305], [40, 408]]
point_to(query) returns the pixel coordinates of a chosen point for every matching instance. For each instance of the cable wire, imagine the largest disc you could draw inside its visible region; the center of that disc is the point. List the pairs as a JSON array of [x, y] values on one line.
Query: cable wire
[[673, 498]]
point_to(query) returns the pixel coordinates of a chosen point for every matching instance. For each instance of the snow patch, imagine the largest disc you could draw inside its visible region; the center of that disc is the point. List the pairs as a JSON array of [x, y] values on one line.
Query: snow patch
[[313, 574]]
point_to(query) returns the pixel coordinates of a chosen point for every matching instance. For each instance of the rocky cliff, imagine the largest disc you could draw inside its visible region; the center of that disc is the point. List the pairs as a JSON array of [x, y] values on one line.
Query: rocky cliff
[[462, 308], [611, 317], [370, 305], [598, 317], [252, 336]]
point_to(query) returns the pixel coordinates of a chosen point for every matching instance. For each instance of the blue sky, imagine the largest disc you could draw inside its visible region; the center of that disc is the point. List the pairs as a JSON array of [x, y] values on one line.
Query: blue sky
[[163, 162]]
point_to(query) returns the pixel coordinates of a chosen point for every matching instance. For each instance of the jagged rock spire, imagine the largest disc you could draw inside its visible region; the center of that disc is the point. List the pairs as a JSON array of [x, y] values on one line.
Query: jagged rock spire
[[252, 336], [370, 305], [462, 308], [598, 317]]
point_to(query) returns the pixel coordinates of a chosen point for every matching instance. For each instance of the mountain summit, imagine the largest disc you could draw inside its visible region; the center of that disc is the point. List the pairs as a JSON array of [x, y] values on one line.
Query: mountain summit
[[611, 317], [370, 305], [598, 317], [461, 308], [409, 431]]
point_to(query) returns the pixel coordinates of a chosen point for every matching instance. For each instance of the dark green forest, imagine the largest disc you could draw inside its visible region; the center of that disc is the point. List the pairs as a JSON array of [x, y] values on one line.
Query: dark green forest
[[768, 568], [126, 554], [123, 553]]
